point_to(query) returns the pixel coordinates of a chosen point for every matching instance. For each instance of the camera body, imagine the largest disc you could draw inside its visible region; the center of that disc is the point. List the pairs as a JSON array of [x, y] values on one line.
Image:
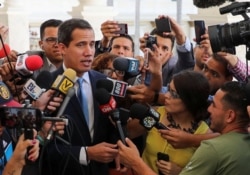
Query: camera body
[[226, 37], [151, 41]]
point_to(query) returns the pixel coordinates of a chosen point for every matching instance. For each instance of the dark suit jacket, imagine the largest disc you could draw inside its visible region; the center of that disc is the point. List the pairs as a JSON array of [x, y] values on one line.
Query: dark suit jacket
[[78, 135]]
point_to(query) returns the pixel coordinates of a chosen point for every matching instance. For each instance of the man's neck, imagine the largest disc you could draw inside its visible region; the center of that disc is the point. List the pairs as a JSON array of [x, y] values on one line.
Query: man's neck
[[240, 128]]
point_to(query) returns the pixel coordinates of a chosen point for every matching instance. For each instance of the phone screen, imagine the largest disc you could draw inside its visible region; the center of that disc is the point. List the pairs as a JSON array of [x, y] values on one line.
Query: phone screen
[[19, 117], [200, 30]]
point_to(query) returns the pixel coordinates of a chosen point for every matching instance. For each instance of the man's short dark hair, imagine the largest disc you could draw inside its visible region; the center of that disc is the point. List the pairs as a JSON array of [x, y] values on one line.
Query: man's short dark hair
[[123, 36], [237, 97], [49, 23], [171, 37], [67, 27]]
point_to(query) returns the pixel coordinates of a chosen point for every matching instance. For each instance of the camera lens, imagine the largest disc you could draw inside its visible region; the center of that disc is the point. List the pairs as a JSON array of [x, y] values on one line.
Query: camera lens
[[150, 41], [229, 35]]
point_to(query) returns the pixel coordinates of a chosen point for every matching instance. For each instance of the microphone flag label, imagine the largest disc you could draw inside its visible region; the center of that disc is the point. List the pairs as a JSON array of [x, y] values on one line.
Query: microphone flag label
[[62, 83], [32, 89], [107, 108], [133, 65], [120, 88]]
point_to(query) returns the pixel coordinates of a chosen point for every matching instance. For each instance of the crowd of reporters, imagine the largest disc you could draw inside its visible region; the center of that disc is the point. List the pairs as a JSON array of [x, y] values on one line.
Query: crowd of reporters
[[165, 103]]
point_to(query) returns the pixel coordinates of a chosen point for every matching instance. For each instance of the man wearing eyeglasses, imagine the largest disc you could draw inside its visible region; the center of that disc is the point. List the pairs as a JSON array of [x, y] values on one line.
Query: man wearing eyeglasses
[[52, 57]]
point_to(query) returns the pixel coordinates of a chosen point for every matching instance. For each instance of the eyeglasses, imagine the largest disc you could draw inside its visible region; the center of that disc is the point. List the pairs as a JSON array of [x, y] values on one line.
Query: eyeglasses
[[108, 72], [173, 93], [51, 40]]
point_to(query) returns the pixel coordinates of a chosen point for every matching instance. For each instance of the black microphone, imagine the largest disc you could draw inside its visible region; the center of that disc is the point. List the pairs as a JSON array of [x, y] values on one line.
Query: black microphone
[[129, 65], [36, 88], [70, 93], [61, 85], [147, 116], [114, 87], [107, 105], [44, 80], [209, 3]]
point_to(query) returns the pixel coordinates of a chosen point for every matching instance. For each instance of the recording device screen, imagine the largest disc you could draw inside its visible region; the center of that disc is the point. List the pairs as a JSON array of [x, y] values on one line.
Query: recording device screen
[[15, 117]]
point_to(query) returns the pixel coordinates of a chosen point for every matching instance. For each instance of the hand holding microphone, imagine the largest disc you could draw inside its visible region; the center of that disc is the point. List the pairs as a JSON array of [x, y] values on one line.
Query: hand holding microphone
[[34, 89], [147, 116], [61, 86], [25, 65], [107, 105]]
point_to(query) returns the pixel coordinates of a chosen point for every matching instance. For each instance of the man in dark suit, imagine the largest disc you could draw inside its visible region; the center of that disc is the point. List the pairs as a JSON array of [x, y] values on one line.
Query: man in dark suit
[[89, 149], [50, 53]]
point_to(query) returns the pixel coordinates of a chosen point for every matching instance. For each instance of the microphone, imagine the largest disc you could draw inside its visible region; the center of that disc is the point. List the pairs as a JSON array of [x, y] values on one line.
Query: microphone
[[209, 3], [147, 116], [70, 93], [4, 51], [127, 64], [107, 102], [61, 85], [114, 87], [107, 105], [25, 65], [35, 88], [44, 80]]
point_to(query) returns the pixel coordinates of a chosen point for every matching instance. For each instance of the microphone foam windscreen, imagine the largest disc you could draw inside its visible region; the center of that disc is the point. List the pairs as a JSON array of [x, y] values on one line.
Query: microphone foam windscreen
[[2, 51], [121, 64], [208, 3], [33, 62], [105, 83], [102, 96], [138, 110], [70, 73], [44, 80]]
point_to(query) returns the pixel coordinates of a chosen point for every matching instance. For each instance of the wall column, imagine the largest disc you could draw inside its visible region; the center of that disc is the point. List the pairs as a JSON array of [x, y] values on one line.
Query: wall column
[[15, 16]]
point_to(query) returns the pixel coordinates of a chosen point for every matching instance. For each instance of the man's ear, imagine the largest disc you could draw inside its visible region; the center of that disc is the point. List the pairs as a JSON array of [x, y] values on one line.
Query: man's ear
[[62, 48], [41, 44], [231, 116]]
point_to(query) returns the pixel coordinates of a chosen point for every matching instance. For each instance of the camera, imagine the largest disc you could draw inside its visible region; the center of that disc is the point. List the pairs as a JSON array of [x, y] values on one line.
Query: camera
[[150, 41], [226, 37]]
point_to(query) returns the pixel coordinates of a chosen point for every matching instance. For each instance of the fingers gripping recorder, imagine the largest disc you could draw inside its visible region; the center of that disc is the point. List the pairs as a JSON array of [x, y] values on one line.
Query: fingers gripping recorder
[[61, 85]]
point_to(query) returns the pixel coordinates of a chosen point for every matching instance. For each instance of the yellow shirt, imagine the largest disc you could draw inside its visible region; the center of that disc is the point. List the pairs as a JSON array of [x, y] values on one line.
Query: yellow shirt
[[155, 143]]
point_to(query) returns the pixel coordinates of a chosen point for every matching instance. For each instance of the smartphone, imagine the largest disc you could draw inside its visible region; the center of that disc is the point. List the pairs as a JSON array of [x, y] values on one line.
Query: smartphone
[[200, 29], [163, 25], [123, 29], [162, 156], [19, 117]]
